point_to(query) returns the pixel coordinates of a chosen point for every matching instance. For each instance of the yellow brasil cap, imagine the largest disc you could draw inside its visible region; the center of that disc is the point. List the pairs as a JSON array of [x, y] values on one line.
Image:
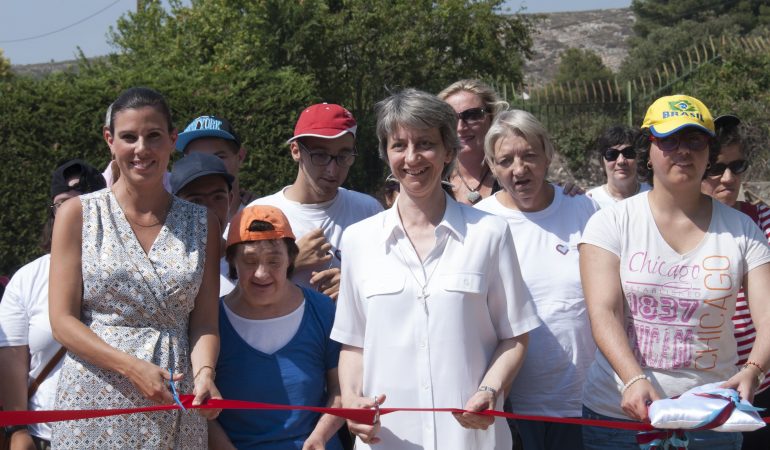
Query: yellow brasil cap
[[667, 115]]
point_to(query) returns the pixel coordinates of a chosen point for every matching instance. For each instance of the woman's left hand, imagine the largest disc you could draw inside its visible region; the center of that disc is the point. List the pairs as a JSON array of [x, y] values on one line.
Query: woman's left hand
[[480, 401], [745, 382], [572, 189], [203, 390]]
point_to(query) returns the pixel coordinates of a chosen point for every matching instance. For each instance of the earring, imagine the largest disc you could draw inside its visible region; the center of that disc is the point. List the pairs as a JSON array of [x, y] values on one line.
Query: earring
[[649, 165], [708, 166]]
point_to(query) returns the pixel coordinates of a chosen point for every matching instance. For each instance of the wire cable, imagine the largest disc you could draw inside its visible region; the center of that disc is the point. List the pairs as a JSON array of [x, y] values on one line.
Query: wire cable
[[60, 29]]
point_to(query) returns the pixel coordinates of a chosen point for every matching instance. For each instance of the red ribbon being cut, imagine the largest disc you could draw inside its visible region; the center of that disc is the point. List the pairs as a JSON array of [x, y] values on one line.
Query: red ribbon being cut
[[8, 418]]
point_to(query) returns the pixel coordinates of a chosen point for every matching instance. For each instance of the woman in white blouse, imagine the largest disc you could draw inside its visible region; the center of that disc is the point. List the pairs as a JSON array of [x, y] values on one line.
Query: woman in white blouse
[[432, 311]]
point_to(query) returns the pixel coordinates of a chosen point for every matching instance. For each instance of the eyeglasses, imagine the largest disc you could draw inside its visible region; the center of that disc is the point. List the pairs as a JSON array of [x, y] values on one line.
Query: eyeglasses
[[321, 158], [737, 167], [611, 154], [694, 141], [472, 115]]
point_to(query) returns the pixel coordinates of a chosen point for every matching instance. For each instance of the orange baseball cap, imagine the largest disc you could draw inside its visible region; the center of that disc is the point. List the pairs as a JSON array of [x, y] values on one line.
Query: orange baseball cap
[[239, 225]]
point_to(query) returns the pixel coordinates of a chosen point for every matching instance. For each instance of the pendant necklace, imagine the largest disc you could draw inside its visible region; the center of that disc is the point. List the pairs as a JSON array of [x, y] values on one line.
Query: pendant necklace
[[473, 195], [422, 297]]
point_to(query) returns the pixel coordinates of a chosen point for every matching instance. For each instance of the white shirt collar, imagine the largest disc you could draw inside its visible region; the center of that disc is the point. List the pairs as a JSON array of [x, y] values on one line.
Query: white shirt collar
[[452, 223]]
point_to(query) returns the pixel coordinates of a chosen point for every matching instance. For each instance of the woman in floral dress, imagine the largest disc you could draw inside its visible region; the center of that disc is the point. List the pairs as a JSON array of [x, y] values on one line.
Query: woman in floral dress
[[133, 294]]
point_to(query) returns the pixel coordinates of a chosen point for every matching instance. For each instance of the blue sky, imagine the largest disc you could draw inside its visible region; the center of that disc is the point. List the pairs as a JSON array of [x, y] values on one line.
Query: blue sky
[[88, 21]]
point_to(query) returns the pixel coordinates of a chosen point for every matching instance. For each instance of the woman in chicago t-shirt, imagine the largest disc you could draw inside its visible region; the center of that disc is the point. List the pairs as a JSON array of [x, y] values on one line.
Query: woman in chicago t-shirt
[[660, 273]]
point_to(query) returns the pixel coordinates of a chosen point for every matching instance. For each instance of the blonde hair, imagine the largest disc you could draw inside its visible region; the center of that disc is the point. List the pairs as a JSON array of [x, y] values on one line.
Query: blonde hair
[[488, 96]]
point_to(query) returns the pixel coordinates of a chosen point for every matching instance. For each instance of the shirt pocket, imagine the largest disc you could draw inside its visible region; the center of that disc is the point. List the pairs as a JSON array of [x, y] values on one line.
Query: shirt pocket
[[382, 285], [463, 282]]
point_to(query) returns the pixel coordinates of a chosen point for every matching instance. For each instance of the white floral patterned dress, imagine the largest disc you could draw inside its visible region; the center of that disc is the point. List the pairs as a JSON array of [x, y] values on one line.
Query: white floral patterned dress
[[139, 303]]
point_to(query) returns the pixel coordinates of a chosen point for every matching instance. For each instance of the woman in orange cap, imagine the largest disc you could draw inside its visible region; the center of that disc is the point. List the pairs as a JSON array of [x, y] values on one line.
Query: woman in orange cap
[[275, 343], [661, 272]]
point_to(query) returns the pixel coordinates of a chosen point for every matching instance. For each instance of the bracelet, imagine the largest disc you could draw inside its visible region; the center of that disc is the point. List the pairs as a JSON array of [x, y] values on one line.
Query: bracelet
[[761, 375], [488, 389], [214, 372], [633, 380], [755, 364]]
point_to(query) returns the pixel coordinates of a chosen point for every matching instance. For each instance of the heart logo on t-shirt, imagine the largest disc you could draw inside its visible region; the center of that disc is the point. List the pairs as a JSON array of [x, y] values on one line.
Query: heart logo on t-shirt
[[563, 249]]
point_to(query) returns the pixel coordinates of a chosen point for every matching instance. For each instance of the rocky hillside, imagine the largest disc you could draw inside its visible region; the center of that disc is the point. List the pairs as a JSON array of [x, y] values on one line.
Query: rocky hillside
[[603, 31]]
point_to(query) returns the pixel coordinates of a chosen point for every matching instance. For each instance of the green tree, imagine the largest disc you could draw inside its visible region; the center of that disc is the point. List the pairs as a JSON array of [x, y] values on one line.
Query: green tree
[[654, 14], [354, 51], [665, 29], [5, 66], [581, 65]]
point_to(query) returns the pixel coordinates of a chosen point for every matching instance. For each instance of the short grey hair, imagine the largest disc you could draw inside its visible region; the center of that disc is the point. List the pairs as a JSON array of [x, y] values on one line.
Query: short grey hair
[[519, 123], [415, 109]]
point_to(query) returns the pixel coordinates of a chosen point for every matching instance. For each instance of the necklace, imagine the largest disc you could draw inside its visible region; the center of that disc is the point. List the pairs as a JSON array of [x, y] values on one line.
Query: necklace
[[638, 187], [422, 297], [473, 195], [157, 222]]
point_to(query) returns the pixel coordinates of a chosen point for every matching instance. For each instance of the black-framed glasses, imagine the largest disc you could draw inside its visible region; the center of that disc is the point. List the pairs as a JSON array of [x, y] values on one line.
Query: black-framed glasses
[[472, 115], [321, 158], [694, 141], [737, 167], [611, 154]]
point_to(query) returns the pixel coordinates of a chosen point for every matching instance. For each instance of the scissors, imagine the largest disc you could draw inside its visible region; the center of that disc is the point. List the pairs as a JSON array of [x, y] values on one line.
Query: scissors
[[376, 411], [173, 390]]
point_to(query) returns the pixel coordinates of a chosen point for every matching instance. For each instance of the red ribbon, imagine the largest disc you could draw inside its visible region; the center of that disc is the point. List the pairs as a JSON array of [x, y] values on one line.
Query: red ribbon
[[8, 418]]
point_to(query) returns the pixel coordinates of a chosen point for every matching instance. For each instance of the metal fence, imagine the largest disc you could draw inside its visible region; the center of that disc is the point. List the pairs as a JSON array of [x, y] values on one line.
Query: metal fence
[[592, 105]]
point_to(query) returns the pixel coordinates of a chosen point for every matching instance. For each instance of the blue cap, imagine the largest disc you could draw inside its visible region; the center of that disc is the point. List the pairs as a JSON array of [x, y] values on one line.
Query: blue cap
[[207, 126], [194, 166]]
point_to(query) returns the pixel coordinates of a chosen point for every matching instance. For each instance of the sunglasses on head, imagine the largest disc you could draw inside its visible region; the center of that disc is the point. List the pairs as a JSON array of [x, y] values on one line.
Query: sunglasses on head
[[693, 141], [737, 167], [472, 115], [611, 154]]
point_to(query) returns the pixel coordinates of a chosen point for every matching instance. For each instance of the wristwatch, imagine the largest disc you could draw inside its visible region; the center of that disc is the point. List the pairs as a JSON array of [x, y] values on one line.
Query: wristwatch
[[12, 429]]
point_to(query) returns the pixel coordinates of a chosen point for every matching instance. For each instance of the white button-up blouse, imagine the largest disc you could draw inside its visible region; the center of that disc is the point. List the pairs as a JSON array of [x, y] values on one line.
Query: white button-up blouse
[[428, 330]]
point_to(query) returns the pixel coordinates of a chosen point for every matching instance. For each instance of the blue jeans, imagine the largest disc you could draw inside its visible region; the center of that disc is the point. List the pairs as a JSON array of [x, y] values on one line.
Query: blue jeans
[[599, 438]]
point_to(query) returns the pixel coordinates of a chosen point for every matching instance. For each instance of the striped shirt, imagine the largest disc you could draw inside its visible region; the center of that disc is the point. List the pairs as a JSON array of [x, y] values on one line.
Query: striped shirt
[[744, 327]]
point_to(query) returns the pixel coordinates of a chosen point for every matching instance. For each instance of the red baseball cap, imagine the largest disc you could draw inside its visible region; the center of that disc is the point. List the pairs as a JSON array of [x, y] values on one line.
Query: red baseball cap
[[324, 120]]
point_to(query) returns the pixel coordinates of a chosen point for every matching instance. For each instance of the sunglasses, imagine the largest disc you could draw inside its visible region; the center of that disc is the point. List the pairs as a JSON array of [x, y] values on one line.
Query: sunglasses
[[472, 115], [693, 141], [611, 154], [737, 167]]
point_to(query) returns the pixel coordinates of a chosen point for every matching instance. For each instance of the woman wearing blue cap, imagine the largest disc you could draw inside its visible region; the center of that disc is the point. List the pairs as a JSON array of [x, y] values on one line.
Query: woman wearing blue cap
[[661, 272]]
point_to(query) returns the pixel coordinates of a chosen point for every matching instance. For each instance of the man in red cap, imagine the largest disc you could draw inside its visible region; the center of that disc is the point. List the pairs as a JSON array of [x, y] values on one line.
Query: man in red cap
[[318, 208]]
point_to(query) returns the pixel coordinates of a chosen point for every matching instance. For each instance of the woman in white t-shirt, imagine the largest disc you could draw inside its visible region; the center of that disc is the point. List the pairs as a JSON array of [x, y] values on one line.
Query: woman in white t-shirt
[[26, 343], [617, 157], [546, 227], [661, 272], [432, 311]]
